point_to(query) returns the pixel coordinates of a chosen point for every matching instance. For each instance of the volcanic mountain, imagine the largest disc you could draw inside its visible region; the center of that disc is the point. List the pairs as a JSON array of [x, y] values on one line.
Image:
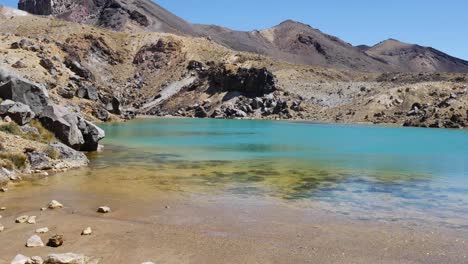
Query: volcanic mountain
[[289, 41]]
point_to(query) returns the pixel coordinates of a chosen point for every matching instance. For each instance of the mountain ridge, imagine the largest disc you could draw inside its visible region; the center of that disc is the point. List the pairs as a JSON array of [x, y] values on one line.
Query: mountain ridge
[[290, 40]]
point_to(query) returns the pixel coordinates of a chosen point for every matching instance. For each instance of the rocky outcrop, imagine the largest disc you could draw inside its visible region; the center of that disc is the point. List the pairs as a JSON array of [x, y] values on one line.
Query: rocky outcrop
[[23, 91], [71, 128], [252, 82]]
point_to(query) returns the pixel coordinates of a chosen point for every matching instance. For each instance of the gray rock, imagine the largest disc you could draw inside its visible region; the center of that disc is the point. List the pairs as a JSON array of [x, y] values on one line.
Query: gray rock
[[23, 91], [101, 114], [19, 65], [34, 241], [114, 106], [71, 128], [18, 112], [20, 259], [257, 103], [42, 230], [36, 260], [92, 134], [66, 258], [72, 157], [29, 129], [66, 93], [63, 124], [88, 92], [39, 160]]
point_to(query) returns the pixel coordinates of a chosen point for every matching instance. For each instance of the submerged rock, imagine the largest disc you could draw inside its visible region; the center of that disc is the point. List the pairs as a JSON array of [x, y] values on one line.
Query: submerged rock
[[36, 260], [69, 157]]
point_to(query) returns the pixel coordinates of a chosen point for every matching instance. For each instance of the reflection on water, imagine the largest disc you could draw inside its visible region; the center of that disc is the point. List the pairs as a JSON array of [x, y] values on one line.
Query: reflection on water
[[391, 174]]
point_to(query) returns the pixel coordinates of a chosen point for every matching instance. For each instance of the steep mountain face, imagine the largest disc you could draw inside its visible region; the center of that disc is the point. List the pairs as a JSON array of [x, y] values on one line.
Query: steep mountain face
[[289, 41]]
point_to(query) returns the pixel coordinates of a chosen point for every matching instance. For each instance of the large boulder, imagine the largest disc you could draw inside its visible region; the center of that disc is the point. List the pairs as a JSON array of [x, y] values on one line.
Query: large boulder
[[67, 155], [23, 91], [18, 112], [71, 128]]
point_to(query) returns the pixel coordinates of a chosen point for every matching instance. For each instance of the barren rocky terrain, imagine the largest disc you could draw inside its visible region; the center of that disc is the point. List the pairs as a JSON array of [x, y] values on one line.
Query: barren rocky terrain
[[63, 75]]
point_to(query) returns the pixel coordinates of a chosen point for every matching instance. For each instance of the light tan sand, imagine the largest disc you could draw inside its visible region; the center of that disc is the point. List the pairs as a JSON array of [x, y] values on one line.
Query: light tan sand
[[197, 229]]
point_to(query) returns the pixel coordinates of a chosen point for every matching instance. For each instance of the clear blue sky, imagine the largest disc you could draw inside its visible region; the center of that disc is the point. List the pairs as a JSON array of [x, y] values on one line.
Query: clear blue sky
[[440, 24]]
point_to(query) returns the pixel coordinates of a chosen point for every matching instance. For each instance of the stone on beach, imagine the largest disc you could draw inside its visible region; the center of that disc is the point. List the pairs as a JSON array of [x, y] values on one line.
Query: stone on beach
[[32, 220], [87, 231], [67, 258], [55, 205], [4, 189], [55, 241], [22, 219], [1, 228], [104, 209], [34, 241], [42, 230], [20, 259], [36, 260], [3, 208]]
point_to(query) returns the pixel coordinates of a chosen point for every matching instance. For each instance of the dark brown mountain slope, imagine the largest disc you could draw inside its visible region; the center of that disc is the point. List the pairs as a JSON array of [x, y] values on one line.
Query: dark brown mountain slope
[[290, 41], [415, 58]]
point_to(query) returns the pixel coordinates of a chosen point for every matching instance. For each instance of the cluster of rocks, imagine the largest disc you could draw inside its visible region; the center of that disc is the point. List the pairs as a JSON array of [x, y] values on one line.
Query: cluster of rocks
[[54, 241], [26, 100], [441, 114]]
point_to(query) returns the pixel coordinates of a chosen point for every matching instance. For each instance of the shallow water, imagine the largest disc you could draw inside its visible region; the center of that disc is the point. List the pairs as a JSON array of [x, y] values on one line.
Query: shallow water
[[367, 173]]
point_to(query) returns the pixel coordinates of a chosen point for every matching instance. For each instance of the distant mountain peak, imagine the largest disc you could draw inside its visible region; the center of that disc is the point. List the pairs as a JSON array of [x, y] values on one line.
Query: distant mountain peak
[[290, 40]]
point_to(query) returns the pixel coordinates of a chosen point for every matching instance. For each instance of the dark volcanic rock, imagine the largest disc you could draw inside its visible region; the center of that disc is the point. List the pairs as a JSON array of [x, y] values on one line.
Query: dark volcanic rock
[[23, 91], [252, 82], [77, 68], [18, 112], [88, 92], [39, 160], [71, 128], [68, 154]]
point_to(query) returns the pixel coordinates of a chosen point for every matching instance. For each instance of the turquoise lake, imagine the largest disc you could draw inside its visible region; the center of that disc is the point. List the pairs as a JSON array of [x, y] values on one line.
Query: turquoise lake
[[382, 173]]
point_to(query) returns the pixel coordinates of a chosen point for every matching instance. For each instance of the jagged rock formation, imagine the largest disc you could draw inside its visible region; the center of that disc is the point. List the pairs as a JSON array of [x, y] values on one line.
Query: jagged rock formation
[[290, 41]]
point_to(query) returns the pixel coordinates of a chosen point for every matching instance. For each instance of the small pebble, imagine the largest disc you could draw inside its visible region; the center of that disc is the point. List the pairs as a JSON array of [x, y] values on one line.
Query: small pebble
[[32, 220], [22, 219], [2, 208], [54, 205], [88, 231], [42, 230], [2, 228], [3, 189], [104, 209], [43, 209]]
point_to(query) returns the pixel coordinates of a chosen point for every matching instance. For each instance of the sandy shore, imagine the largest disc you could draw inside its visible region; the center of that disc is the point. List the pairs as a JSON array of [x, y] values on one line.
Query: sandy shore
[[174, 228]]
